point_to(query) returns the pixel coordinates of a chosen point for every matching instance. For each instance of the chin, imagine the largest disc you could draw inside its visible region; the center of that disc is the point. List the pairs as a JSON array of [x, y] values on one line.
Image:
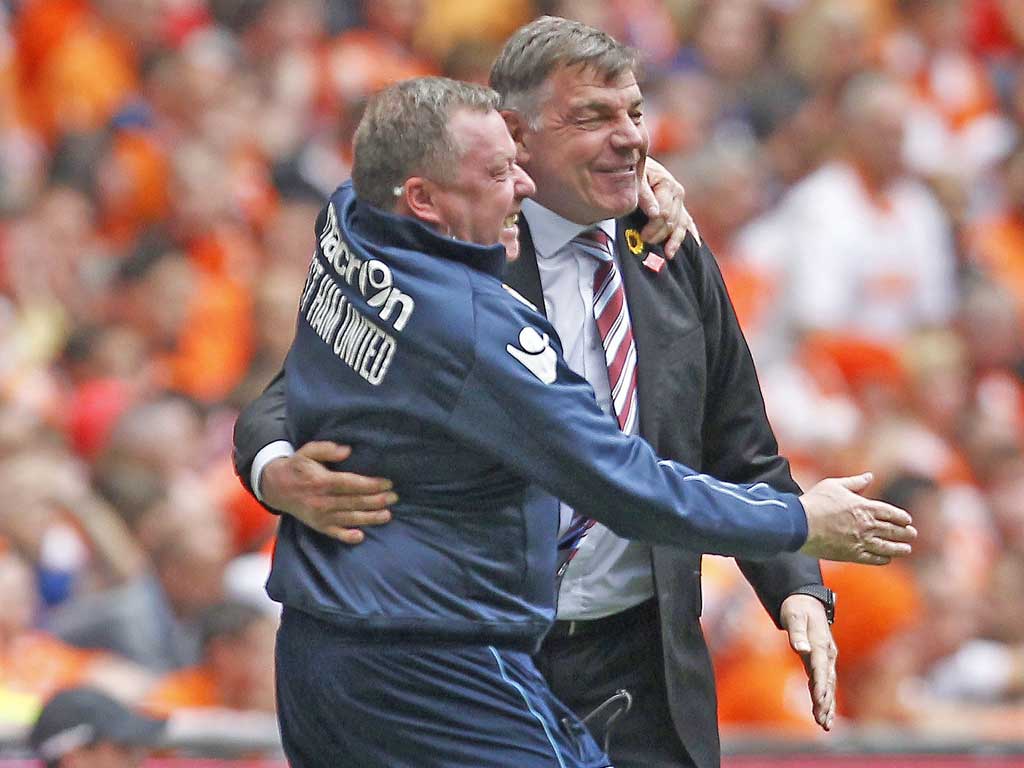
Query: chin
[[623, 206]]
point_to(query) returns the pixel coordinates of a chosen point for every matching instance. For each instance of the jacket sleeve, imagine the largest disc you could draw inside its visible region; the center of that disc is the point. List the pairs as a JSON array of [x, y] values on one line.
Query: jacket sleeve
[[260, 423], [523, 405], [738, 442]]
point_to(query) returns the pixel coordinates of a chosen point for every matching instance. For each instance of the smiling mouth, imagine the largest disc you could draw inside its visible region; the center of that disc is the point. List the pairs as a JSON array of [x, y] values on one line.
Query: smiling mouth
[[628, 168]]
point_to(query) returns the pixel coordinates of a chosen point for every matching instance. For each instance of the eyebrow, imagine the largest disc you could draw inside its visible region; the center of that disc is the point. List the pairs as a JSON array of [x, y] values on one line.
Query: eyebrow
[[603, 107], [500, 162]]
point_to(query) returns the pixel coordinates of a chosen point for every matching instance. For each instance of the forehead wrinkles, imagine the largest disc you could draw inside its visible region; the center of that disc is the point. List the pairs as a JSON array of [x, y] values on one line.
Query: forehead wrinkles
[[483, 136], [580, 87]]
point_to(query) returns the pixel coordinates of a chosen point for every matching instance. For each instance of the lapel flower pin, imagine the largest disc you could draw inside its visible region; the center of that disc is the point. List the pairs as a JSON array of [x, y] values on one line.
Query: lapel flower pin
[[636, 246]]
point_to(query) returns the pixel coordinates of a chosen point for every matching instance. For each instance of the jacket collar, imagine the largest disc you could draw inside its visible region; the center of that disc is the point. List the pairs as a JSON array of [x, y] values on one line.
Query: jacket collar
[[377, 229]]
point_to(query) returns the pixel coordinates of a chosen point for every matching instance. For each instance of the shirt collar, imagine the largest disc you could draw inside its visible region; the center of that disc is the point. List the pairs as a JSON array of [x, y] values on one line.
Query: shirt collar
[[551, 232]]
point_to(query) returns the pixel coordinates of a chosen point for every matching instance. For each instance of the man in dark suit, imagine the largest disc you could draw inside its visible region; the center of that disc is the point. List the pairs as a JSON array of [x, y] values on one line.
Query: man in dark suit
[[628, 613]]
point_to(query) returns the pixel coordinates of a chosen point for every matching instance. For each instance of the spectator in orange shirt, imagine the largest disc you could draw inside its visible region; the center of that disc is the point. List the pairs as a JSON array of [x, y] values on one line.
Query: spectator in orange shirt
[[237, 666], [997, 242], [197, 323]]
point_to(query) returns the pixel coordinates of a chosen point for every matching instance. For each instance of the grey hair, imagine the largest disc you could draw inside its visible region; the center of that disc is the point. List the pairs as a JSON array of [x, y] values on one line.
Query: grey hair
[[404, 132], [533, 53]]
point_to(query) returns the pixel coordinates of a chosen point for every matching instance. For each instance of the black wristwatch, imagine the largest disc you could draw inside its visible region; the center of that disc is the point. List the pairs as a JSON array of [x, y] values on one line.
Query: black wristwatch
[[822, 593]]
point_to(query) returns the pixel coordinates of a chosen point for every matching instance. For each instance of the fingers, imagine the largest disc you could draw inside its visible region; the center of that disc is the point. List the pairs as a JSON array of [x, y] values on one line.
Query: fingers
[[889, 549], [823, 673], [353, 504], [671, 227], [678, 235], [360, 519], [360, 488], [797, 629], [648, 202], [830, 712], [810, 636], [345, 535], [323, 450], [856, 483], [867, 558], [670, 199], [655, 231], [890, 514], [890, 532], [345, 526]]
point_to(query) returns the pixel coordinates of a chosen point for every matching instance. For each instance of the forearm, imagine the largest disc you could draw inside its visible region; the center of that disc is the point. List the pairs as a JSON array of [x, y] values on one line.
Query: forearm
[[778, 577], [260, 424]]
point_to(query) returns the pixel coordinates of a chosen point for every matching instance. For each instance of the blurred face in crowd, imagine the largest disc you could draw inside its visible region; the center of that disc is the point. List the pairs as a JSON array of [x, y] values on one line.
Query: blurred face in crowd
[[481, 203], [587, 145], [876, 132], [17, 595], [395, 18], [1015, 181], [243, 666], [942, 23], [732, 37], [188, 540]]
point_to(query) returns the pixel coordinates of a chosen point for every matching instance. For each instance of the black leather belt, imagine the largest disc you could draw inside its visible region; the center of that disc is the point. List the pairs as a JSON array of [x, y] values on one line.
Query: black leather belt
[[605, 625]]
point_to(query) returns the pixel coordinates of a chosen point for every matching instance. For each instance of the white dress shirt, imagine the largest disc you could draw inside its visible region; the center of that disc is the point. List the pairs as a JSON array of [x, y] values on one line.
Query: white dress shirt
[[608, 574]]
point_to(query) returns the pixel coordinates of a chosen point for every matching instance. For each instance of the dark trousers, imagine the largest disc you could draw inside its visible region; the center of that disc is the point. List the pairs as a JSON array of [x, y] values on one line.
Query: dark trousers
[[585, 663], [361, 702]]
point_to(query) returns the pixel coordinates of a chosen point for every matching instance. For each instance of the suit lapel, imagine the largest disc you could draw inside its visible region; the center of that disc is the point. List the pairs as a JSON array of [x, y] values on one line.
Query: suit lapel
[[523, 274]]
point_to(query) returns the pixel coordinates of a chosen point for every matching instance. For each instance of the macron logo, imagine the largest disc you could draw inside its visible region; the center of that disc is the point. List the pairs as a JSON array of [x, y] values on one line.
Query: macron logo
[[536, 354]]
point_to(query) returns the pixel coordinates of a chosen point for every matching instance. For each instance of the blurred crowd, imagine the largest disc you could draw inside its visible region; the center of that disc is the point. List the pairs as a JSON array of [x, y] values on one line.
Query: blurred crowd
[[856, 165]]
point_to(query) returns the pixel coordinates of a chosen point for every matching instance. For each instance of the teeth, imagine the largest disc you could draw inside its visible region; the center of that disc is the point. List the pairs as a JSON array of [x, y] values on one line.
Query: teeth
[[510, 221]]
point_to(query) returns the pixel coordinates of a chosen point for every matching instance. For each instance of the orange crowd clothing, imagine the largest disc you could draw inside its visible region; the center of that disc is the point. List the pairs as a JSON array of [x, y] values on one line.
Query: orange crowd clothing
[[251, 526], [360, 62], [445, 23], [34, 665], [134, 187], [75, 71], [765, 688], [997, 246], [873, 606], [215, 346], [761, 682], [189, 688]]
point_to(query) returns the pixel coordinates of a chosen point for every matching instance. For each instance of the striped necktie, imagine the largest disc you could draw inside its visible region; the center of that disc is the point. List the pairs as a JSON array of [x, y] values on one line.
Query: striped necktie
[[620, 356]]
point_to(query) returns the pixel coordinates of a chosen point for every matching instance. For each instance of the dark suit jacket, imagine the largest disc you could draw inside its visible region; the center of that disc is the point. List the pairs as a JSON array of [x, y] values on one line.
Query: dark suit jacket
[[701, 405]]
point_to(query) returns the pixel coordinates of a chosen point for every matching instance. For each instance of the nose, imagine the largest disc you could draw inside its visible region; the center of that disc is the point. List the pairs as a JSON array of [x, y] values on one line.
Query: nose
[[524, 186], [628, 135]]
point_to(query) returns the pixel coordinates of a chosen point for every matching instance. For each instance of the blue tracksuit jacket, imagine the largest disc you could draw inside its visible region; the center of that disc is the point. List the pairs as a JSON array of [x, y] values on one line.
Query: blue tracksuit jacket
[[410, 349]]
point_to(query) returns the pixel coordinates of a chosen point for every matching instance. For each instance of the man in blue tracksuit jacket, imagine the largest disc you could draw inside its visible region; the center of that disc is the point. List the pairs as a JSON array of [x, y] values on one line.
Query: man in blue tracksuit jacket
[[412, 649]]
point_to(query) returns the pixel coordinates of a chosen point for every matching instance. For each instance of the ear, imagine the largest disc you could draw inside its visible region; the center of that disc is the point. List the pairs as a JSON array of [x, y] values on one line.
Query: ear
[[419, 198], [519, 128]]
